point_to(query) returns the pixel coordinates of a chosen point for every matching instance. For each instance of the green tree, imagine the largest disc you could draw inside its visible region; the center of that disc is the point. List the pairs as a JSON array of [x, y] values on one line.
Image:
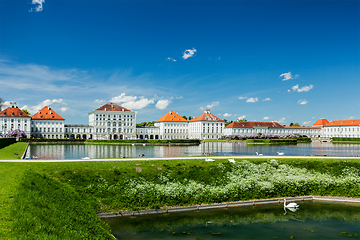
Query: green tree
[[150, 123], [185, 117], [189, 118], [26, 111]]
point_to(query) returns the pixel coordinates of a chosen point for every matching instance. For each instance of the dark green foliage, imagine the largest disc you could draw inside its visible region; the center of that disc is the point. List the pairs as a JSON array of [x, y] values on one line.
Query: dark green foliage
[[52, 140], [273, 141], [303, 139], [129, 141], [45, 208], [345, 139], [6, 141]]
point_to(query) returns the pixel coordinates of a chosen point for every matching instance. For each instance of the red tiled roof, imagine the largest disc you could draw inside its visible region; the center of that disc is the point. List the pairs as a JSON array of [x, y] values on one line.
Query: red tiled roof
[[321, 122], [291, 127], [13, 112], [352, 122], [112, 107], [47, 113], [206, 116], [243, 124], [171, 117]]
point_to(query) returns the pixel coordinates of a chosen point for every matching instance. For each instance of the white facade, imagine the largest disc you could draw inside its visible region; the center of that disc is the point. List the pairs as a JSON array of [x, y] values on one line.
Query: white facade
[[112, 121], [13, 118], [249, 128], [206, 126], [47, 128], [147, 132], [8, 124], [342, 128], [173, 130], [78, 131]]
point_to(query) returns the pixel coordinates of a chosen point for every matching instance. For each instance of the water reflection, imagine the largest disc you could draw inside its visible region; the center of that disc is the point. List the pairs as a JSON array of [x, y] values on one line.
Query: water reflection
[[314, 220], [76, 151]]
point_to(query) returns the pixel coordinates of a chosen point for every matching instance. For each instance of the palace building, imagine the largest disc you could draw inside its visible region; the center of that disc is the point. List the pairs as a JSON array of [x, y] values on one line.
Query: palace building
[[12, 118], [112, 121], [47, 124], [206, 126]]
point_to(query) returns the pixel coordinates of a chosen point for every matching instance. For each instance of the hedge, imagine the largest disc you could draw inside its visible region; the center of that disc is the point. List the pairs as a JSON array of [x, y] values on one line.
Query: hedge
[[345, 139], [6, 141], [193, 141], [274, 141], [50, 140]]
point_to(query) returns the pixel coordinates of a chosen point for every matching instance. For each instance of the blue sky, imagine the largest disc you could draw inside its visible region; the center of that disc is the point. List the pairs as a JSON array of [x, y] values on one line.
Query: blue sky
[[284, 61]]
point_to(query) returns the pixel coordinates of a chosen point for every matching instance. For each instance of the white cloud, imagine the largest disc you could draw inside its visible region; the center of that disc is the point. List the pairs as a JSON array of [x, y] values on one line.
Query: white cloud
[[303, 89], [63, 109], [241, 117], [227, 115], [242, 98], [267, 99], [162, 104], [132, 102], [287, 76], [170, 59], [302, 102], [306, 123], [252, 100], [140, 104], [282, 120], [266, 118], [99, 101], [47, 102], [297, 76], [214, 104], [39, 7], [189, 53], [351, 117], [179, 97], [6, 104], [122, 98]]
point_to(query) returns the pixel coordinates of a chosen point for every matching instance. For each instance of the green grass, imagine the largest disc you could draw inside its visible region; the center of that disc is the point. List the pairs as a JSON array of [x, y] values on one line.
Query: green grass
[[10, 177], [49, 195], [13, 151]]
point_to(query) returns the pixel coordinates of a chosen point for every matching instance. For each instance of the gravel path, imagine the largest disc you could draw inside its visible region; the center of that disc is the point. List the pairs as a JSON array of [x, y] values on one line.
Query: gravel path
[[180, 158]]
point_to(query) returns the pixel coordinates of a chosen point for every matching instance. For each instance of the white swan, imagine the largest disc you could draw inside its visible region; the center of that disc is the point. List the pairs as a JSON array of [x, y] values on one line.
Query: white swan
[[259, 154], [280, 153], [209, 160], [291, 206]]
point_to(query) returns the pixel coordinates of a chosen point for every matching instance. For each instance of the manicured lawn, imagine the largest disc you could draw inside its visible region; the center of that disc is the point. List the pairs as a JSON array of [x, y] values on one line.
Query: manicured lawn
[[10, 177], [58, 200], [13, 151]]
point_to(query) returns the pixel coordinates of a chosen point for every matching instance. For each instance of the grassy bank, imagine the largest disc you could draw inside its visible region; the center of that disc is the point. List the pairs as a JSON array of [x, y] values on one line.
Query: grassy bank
[[49, 195], [118, 141], [271, 141], [13, 151], [345, 140]]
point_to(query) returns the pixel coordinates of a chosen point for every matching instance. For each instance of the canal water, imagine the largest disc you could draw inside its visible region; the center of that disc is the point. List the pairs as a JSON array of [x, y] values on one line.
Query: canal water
[[313, 220], [77, 151]]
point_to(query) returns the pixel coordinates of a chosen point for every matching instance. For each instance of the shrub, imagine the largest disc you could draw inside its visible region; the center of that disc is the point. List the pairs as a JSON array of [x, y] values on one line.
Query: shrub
[[6, 141]]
